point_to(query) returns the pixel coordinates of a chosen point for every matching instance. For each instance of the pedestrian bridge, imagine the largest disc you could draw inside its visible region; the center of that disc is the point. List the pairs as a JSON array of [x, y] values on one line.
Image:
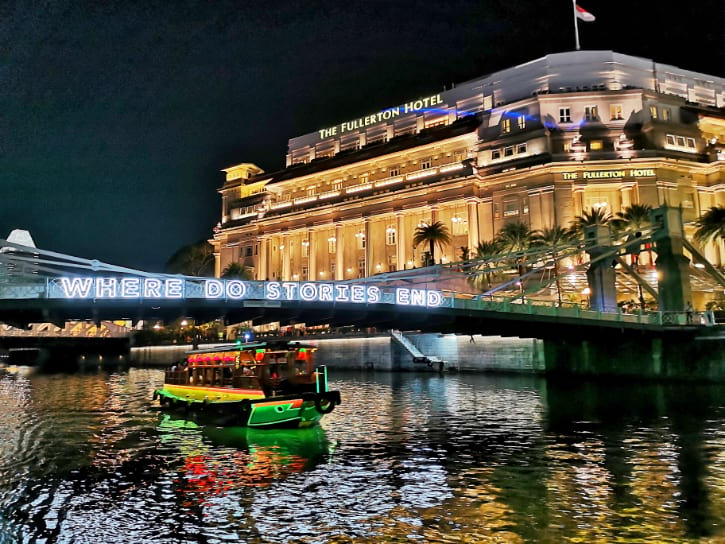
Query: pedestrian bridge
[[39, 286]]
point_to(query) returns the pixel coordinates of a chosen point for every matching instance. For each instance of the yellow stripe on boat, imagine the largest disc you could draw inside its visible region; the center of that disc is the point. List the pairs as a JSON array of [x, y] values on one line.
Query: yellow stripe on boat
[[212, 394]]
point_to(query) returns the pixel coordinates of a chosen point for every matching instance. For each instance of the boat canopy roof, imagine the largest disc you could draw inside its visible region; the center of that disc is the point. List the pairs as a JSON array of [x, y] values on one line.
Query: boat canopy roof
[[284, 345]]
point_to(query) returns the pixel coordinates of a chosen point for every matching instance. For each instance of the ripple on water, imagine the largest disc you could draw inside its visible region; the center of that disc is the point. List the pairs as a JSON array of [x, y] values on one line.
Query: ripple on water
[[405, 458]]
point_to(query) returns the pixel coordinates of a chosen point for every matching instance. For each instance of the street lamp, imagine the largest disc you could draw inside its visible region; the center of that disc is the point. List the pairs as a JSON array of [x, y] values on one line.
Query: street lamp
[[587, 292]]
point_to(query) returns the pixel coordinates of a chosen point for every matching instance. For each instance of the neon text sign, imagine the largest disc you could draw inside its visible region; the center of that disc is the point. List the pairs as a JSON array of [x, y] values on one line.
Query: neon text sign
[[105, 288]]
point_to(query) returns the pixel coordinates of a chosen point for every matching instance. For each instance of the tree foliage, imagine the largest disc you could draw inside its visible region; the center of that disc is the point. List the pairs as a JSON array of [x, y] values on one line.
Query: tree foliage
[[589, 218], [632, 218], [237, 271], [711, 225], [192, 260], [435, 234]]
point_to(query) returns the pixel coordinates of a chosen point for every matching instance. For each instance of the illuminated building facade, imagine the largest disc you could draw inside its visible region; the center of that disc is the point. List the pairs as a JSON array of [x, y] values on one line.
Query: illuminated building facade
[[538, 143]]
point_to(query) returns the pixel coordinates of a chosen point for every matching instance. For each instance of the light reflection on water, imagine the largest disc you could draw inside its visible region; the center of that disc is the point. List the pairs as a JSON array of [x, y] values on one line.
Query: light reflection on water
[[406, 458]]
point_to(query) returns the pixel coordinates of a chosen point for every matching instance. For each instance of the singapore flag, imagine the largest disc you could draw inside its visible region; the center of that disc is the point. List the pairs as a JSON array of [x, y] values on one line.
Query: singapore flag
[[583, 14]]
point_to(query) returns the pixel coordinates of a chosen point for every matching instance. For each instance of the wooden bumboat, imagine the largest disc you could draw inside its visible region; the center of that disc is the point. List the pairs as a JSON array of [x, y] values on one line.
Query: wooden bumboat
[[258, 385]]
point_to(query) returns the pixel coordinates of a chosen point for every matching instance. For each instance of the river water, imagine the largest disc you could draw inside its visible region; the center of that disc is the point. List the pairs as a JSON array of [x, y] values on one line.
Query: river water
[[87, 458]]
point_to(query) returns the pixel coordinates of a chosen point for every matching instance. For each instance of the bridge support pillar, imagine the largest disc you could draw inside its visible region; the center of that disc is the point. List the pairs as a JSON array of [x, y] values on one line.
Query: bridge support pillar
[[601, 277], [673, 268]]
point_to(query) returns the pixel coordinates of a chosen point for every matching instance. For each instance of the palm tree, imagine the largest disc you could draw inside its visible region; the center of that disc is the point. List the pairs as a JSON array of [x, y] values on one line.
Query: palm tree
[[192, 260], [588, 218], [711, 227], [485, 250], [554, 239], [435, 234], [236, 271], [516, 238], [632, 220]]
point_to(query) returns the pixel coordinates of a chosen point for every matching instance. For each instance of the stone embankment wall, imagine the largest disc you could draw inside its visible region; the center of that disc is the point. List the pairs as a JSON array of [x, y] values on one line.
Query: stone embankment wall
[[484, 353]]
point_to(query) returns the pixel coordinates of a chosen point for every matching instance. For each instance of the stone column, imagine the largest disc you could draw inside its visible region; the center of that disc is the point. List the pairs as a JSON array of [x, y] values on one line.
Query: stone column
[[368, 246], [286, 251], [400, 256], [262, 264], [312, 256], [626, 195], [339, 254], [473, 235]]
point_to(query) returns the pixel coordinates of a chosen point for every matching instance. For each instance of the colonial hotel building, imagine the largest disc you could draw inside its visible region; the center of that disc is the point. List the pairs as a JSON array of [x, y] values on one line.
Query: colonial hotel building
[[537, 143]]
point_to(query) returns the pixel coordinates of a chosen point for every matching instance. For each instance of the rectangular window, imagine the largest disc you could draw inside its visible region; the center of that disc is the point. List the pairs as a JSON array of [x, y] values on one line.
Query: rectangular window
[[305, 248], [691, 143], [426, 163], [521, 148], [390, 235], [361, 267], [337, 184], [392, 263], [364, 178], [496, 211], [591, 113], [459, 226], [506, 125], [331, 244], [653, 112], [511, 208], [332, 270], [304, 272], [670, 139], [521, 122], [495, 154], [680, 141], [256, 249], [360, 237], [248, 251], [311, 190], [596, 145], [616, 112], [508, 151], [394, 171], [666, 114], [564, 115]]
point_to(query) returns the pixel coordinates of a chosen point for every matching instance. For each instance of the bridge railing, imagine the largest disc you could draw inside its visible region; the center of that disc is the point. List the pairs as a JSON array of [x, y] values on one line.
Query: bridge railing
[[574, 310]]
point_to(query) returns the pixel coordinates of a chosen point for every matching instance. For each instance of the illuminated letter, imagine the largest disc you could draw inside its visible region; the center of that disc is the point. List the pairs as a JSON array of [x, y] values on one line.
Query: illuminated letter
[[105, 287], [402, 296], [130, 287], [213, 289], [417, 297], [76, 287], [357, 293], [373, 294], [152, 288], [289, 290], [435, 298], [236, 289], [308, 292], [174, 288], [341, 294], [326, 291], [272, 290]]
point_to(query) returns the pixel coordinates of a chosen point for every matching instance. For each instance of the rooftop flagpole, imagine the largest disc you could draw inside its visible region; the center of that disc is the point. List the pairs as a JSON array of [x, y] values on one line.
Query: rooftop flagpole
[[576, 24]]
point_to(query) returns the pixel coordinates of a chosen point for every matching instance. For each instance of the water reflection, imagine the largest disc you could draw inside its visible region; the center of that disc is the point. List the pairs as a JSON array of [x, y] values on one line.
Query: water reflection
[[404, 458]]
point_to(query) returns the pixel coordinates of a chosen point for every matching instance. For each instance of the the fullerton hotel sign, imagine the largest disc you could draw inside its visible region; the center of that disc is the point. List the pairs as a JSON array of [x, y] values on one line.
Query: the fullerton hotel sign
[[156, 288]]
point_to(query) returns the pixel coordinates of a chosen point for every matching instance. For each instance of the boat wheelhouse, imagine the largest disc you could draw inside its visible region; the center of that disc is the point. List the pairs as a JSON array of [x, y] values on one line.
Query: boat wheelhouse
[[261, 385]]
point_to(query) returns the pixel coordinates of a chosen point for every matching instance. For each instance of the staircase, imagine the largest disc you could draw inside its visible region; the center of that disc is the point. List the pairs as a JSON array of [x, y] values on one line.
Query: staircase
[[418, 356]]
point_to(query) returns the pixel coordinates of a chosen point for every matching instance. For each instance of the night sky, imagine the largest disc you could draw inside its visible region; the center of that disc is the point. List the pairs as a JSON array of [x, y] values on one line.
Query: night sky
[[117, 117]]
